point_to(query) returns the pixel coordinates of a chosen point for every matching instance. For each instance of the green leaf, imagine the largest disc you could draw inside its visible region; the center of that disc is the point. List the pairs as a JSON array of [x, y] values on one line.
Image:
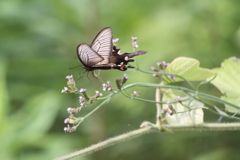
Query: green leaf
[[30, 123], [189, 69], [4, 99], [228, 82], [189, 112]]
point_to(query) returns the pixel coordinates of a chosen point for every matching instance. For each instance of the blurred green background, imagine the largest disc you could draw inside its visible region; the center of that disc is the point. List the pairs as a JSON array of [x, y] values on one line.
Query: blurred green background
[[38, 43]]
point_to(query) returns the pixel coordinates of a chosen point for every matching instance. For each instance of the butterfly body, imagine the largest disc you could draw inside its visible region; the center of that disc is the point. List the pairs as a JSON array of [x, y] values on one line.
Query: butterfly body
[[102, 55]]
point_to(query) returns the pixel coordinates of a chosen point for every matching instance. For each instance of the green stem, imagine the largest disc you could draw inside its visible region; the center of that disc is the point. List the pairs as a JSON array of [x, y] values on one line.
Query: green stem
[[203, 95], [166, 74], [110, 142], [105, 101], [150, 129]]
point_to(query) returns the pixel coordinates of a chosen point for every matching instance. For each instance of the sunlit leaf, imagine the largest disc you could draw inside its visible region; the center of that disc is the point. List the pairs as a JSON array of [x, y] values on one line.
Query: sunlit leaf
[[227, 81], [189, 69]]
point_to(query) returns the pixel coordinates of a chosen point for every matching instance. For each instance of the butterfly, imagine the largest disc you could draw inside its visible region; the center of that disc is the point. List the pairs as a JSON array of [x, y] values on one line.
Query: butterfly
[[101, 54]]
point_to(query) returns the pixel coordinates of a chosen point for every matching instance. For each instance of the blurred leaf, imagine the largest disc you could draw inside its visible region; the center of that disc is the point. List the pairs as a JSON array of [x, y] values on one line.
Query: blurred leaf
[[29, 123], [189, 113], [189, 69], [227, 81], [3, 90]]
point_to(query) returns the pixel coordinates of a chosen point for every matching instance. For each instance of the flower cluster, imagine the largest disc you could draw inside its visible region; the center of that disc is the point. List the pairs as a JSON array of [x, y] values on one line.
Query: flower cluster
[[72, 121], [134, 42], [71, 85], [69, 128], [93, 98], [163, 65], [115, 42], [170, 106], [98, 94], [107, 86], [170, 110], [73, 110], [82, 101], [120, 82], [179, 99], [167, 111], [136, 93], [172, 77]]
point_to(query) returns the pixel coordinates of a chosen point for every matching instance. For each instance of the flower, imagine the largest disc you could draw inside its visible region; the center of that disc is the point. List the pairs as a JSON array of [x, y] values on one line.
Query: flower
[[136, 93], [172, 77], [65, 90], [107, 86], [135, 45], [125, 76], [66, 120], [156, 75], [69, 77], [115, 40], [179, 98], [154, 69], [134, 38], [82, 90], [98, 94]]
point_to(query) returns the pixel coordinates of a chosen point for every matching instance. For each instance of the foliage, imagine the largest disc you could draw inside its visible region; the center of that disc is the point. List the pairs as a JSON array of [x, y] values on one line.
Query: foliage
[[180, 107], [38, 45], [227, 82]]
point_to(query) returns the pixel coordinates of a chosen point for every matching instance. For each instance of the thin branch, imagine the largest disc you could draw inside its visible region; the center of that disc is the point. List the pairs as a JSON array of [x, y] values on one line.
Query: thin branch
[[110, 142], [150, 129]]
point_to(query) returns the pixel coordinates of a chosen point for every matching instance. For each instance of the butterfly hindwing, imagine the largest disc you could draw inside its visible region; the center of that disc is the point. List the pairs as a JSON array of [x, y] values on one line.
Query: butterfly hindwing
[[87, 56], [102, 44]]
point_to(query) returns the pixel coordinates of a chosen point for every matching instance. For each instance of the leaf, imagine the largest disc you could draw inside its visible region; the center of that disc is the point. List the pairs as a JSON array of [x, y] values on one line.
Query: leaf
[[4, 99], [189, 113], [228, 82], [189, 69], [30, 123]]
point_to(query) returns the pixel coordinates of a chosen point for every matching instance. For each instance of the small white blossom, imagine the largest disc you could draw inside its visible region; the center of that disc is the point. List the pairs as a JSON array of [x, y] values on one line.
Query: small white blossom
[[125, 76], [115, 40], [82, 90], [66, 120], [69, 77], [135, 45], [179, 98], [98, 94], [64, 90], [134, 38]]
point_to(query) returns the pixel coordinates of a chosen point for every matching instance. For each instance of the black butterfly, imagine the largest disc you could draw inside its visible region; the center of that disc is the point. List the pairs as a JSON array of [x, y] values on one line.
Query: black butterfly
[[103, 55]]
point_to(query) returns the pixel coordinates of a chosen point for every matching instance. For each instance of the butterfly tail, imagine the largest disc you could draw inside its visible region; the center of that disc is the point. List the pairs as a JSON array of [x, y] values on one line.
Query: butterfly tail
[[133, 54]]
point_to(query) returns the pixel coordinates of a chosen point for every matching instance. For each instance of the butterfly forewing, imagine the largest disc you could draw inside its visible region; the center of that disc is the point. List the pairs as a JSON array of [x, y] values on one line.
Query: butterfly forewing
[[102, 44], [87, 56]]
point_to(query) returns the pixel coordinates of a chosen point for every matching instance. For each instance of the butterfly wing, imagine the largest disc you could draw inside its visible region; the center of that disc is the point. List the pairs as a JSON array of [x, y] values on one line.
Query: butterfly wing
[[102, 44], [87, 56]]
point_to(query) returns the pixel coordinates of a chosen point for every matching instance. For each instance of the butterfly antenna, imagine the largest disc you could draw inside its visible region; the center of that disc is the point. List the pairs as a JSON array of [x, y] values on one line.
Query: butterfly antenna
[[75, 67]]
